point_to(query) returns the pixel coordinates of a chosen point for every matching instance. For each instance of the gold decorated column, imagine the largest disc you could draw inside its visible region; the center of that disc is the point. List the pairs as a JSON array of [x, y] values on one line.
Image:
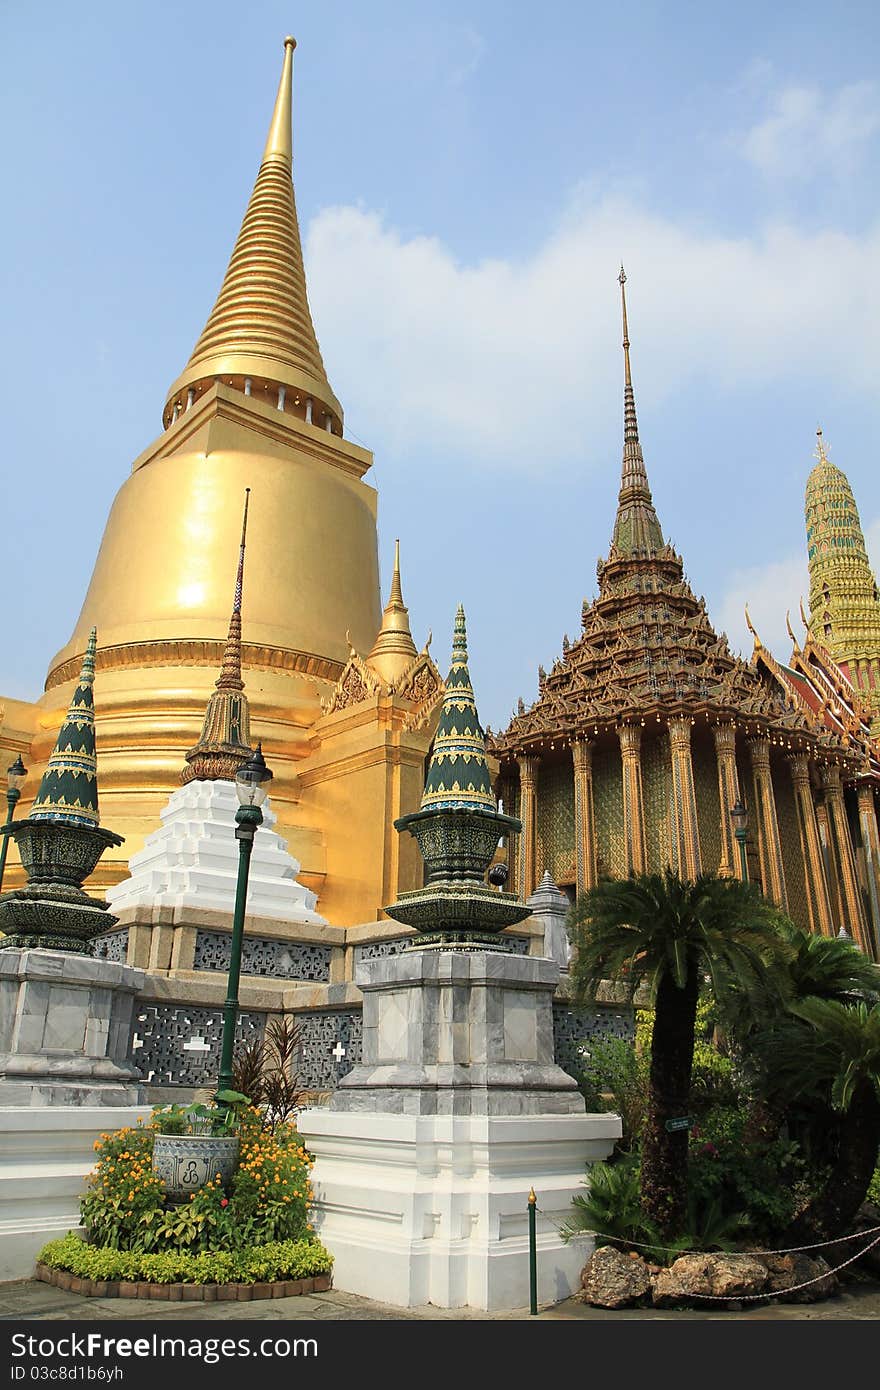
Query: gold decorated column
[[871, 842], [686, 857], [728, 796], [528, 778], [769, 847], [633, 798], [818, 900], [584, 816], [844, 859]]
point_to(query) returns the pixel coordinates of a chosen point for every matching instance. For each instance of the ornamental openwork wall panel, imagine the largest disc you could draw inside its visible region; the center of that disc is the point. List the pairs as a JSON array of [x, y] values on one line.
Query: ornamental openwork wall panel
[[608, 801], [263, 955], [380, 950], [573, 1027], [176, 1045], [331, 1042], [556, 820], [792, 854], [111, 945]]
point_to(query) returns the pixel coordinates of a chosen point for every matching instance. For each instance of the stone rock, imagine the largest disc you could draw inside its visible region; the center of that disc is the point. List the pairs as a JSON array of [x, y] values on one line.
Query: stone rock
[[867, 1219], [787, 1271], [611, 1279], [709, 1276]]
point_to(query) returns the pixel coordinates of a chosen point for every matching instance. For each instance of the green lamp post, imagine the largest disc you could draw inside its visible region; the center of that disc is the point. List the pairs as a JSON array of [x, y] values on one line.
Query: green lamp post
[[740, 817], [252, 785], [15, 776]]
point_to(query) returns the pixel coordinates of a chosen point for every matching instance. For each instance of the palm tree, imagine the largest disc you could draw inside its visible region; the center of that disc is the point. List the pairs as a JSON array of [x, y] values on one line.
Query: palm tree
[[670, 933], [830, 1051]]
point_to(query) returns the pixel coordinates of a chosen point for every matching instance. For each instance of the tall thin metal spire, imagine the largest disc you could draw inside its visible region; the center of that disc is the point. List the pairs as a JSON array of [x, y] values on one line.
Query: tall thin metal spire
[[636, 528], [230, 672], [225, 739]]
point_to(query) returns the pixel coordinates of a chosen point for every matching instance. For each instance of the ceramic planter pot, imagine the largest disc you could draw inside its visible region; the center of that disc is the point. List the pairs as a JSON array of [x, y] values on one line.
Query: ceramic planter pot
[[186, 1162]]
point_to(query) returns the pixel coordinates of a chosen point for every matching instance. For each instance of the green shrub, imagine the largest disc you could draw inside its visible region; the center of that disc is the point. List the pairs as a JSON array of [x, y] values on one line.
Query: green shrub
[[302, 1259], [874, 1189], [611, 1207]]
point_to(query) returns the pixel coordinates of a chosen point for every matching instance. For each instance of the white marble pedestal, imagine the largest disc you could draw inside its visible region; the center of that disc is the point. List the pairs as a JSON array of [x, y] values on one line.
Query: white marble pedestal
[[428, 1149]]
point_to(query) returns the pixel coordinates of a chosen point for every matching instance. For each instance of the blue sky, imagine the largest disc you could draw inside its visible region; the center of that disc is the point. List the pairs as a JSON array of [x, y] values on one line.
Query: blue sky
[[468, 178]]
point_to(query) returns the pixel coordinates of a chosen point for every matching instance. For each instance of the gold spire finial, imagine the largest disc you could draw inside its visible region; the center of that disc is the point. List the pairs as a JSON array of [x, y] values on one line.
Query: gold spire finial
[[396, 595], [393, 651], [622, 279], [791, 630], [259, 337], [279, 141], [751, 627], [804, 619]]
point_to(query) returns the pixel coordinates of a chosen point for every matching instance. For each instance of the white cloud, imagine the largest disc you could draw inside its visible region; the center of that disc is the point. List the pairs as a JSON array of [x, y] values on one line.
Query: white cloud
[[514, 362], [770, 591], [809, 131]]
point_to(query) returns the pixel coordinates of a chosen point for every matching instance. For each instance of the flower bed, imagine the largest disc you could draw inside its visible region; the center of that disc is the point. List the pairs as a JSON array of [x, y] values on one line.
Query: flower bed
[[249, 1238], [276, 1269]]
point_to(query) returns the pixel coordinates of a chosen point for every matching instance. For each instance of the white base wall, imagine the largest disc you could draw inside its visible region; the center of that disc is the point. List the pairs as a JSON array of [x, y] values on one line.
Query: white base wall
[[45, 1155], [427, 1209]]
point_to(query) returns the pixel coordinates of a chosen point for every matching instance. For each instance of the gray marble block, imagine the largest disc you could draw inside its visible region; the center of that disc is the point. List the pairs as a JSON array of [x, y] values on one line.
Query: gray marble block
[[66, 1025], [450, 1032]]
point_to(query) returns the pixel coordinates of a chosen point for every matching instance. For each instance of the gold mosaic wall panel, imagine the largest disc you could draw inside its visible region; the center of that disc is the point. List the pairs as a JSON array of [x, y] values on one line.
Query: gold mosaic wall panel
[[556, 850], [655, 789], [790, 840], [705, 763], [608, 802]]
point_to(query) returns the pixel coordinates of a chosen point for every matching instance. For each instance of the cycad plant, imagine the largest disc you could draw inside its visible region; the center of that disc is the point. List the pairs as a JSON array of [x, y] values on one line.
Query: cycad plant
[[829, 1051], [671, 933]]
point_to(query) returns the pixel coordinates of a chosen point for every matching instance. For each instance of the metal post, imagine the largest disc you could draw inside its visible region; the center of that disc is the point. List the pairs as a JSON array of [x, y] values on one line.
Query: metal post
[[247, 819], [533, 1255], [11, 799], [743, 862]]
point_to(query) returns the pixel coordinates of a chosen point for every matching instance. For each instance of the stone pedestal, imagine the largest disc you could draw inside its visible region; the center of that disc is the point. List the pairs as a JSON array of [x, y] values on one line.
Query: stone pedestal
[[66, 1024], [427, 1151], [550, 908]]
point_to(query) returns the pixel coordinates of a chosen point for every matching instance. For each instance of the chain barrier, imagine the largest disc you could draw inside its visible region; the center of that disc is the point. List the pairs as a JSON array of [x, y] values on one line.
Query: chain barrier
[[749, 1297]]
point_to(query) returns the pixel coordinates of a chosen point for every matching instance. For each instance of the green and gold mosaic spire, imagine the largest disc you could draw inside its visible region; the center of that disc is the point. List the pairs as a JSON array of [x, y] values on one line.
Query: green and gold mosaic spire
[[69, 789], [458, 773]]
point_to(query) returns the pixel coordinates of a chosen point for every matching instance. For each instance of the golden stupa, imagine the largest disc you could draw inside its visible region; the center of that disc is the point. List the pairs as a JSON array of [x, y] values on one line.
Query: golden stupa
[[252, 408]]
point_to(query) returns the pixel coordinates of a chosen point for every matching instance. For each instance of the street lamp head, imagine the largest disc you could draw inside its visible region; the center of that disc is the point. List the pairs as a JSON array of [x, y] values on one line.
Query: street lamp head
[[15, 775], [740, 817], [253, 778]]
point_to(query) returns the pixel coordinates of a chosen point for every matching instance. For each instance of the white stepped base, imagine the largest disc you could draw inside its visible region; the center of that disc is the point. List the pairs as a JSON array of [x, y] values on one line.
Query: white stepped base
[[427, 1209], [192, 861], [45, 1154]]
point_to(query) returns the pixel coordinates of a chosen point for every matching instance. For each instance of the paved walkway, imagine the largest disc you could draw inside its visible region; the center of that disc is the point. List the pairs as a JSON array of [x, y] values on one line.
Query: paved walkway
[[31, 1299]]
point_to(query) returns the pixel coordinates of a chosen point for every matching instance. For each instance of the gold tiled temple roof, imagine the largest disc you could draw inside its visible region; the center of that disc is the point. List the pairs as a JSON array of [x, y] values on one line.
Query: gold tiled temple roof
[[647, 650]]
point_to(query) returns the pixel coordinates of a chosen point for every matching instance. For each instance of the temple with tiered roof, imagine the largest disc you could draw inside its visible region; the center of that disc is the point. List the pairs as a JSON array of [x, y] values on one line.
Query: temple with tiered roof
[[647, 730]]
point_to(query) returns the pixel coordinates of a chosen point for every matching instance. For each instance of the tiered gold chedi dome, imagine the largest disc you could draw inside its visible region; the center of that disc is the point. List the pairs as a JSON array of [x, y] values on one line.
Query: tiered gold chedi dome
[[260, 334], [844, 601], [253, 408]]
